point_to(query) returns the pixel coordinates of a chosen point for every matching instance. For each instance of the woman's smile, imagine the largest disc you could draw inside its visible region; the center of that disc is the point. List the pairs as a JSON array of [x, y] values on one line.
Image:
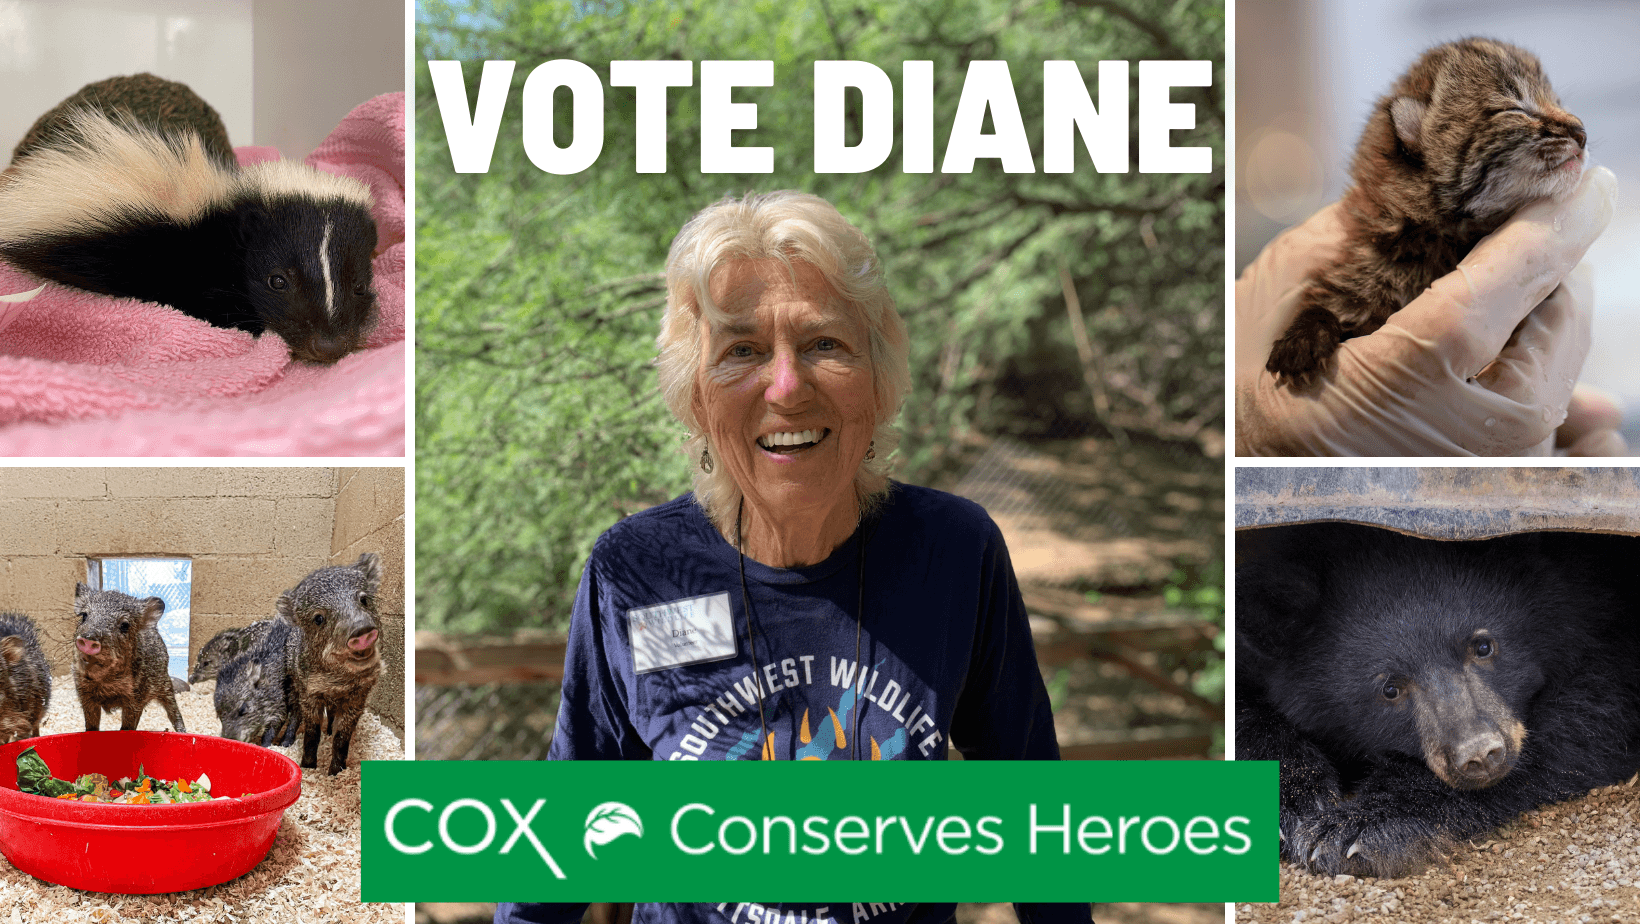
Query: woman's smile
[[788, 444]]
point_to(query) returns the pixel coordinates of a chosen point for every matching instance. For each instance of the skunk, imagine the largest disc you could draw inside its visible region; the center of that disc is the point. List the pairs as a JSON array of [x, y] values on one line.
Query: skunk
[[141, 211]]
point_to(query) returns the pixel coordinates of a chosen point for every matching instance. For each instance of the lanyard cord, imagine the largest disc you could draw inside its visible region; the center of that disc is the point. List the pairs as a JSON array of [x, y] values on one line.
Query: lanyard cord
[[751, 643], [859, 617], [763, 741]]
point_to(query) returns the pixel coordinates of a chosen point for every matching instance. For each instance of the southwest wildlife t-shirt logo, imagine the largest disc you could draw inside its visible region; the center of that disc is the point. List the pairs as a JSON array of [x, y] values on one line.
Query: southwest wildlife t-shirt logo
[[609, 821]]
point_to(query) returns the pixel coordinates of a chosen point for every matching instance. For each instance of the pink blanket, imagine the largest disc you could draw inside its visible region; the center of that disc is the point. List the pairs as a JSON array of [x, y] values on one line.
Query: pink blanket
[[89, 375]]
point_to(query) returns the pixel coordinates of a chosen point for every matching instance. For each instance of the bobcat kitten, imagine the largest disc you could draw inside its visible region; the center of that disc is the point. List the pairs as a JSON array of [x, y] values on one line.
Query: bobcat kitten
[[1467, 136]]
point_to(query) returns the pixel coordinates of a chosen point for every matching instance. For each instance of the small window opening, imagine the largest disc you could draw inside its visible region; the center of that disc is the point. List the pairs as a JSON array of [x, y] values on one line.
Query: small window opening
[[170, 579]]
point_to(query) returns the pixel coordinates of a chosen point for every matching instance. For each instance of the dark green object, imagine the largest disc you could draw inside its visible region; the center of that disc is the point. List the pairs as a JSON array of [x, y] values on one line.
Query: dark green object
[[34, 776]]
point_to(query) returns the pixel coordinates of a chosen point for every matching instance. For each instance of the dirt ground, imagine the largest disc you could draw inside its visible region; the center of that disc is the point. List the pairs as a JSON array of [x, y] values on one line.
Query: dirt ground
[[1087, 513], [1578, 861]]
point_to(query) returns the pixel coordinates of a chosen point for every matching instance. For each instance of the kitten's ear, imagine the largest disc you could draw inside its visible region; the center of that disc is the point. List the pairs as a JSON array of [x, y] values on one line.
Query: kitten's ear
[[1408, 116]]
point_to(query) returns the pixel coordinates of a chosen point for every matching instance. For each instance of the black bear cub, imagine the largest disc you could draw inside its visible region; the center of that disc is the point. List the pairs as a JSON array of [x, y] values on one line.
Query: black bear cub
[[1418, 692]]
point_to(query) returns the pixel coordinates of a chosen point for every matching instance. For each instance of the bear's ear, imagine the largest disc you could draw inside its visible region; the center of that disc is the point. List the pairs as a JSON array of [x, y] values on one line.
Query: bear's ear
[[1276, 603]]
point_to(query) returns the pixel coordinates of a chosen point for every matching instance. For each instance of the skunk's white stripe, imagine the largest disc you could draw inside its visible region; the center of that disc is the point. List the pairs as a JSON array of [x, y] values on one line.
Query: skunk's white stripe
[[291, 178], [112, 168], [324, 264]]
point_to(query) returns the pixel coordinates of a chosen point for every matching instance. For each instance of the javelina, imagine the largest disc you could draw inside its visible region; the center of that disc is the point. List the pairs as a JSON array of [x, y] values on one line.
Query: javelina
[[227, 645], [119, 658], [25, 681], [256, 695], [335, 655]]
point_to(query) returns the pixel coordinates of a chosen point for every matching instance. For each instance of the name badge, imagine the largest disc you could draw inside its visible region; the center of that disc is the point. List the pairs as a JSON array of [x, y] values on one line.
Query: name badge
[[681, 632]]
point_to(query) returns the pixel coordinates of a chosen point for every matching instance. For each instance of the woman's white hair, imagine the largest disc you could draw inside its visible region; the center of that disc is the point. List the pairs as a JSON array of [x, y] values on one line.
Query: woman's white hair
[[791, 227]]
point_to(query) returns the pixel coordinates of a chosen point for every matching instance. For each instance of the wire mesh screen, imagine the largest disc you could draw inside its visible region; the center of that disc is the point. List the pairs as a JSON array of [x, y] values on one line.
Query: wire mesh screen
[[492, 721]]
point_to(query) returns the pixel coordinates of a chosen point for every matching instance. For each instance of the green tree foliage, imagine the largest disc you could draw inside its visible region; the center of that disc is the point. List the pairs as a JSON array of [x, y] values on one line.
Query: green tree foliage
[[538, 423]]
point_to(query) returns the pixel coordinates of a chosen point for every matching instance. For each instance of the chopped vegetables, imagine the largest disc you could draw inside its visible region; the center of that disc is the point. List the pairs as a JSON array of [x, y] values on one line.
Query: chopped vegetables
[[33, 776]]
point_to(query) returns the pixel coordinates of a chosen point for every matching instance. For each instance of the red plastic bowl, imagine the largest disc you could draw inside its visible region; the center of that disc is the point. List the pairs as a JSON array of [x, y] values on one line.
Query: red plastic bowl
[[144, 849]]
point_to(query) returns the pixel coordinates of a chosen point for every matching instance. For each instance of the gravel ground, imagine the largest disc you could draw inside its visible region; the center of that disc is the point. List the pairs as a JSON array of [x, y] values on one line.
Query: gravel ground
[[311, 874], [1577, 861]]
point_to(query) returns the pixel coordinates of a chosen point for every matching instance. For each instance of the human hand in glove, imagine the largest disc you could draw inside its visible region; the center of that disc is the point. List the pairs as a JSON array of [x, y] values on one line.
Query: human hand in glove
[[1455, 372]]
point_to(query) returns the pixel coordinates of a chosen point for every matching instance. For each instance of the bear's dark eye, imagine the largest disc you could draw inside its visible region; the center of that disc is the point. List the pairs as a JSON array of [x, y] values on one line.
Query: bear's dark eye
[[125, 627], [318, 619], [364, 600], [1484, 648], [1391, 691], [277, 283]]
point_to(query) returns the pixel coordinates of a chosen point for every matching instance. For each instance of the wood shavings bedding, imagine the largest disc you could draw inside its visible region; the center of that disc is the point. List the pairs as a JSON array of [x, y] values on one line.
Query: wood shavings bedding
[[311, 876]]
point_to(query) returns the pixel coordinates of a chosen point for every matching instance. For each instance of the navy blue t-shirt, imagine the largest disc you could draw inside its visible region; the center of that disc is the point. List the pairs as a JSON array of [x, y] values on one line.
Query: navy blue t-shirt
[[939, 656]]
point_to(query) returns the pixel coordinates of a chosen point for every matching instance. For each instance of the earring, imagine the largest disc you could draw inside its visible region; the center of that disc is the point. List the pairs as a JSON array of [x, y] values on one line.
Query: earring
[[871, 451], [706, 460]]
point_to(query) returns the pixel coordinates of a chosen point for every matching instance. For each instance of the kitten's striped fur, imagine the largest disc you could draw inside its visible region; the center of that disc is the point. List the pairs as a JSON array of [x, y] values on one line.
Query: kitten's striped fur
[[1469, 134]]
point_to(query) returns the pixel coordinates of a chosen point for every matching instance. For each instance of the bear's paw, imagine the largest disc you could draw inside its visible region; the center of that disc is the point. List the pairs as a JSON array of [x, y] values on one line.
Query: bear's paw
[[1365, 837]]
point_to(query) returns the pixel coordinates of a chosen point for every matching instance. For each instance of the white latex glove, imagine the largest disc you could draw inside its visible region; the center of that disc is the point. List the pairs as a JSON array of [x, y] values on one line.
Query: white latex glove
[[1448, 375]]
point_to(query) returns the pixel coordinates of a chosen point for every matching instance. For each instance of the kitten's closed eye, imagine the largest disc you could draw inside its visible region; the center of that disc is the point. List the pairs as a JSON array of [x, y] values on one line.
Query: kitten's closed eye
[[1519, 157]]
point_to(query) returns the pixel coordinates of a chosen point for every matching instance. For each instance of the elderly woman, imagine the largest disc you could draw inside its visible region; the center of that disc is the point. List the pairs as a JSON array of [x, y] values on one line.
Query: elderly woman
[[797, 605]]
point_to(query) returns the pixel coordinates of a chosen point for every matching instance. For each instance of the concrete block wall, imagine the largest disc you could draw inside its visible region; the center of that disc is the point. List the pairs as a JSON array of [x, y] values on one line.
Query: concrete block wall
[[251, 533], [370, 518], [273, 541]]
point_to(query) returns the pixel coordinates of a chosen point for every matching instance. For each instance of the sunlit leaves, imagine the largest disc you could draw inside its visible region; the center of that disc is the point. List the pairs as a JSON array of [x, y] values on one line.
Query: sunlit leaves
[[538, 423]]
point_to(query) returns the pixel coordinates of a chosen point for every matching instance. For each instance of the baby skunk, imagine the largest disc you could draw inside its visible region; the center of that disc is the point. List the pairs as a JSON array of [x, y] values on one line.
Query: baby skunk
[[142, 211]]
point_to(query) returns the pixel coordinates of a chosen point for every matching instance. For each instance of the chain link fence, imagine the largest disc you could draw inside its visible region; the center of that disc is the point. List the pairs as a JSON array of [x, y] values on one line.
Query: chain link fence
[[489, 721]]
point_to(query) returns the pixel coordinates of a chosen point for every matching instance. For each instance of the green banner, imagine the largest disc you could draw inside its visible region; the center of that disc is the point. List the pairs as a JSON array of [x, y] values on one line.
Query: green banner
[[904, 831]]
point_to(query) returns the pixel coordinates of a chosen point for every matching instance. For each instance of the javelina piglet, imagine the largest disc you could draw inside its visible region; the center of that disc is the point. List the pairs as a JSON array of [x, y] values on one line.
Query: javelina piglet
[[25, 681], [226, 646], [119, 658], [256, 692], [335, 653]]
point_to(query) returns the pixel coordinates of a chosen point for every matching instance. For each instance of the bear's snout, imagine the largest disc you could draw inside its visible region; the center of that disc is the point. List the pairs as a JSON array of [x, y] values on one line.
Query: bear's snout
[[1481, 760], [1471, 738]]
